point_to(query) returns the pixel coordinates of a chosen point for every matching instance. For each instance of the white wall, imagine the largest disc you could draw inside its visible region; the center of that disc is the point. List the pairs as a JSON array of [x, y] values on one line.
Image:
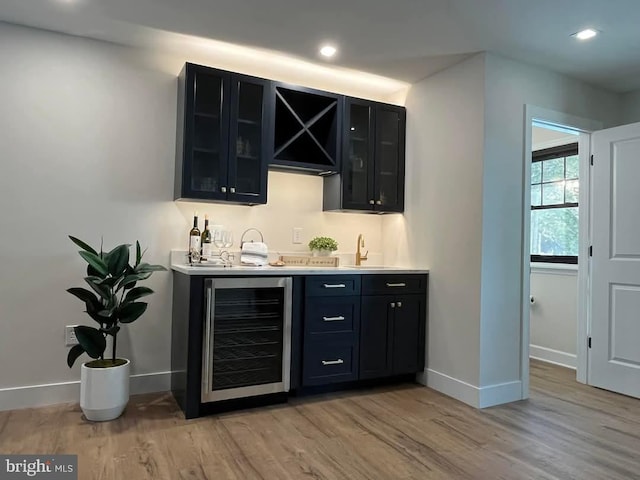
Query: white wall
[[542, 138], [510, 86], [442, 223], [631, 107], [87, 135], [554, 315], [464, 214]]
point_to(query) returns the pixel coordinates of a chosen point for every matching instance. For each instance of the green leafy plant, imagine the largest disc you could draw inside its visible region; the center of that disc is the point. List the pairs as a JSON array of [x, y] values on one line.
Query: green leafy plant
[[323, 243], [112, 299]]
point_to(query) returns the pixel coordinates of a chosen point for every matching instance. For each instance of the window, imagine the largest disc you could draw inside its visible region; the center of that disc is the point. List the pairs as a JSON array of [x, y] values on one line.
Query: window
[[554, 205]]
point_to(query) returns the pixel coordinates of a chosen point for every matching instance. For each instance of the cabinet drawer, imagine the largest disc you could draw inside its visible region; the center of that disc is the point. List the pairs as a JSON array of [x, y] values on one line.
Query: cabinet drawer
[[332, 285], [393, 284], [331, 314], [328, 360]]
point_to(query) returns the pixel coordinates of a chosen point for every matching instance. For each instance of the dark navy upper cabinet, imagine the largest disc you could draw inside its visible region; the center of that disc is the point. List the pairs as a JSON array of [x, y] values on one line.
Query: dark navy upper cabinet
[[223, 140], [307, 126], [373, 160]]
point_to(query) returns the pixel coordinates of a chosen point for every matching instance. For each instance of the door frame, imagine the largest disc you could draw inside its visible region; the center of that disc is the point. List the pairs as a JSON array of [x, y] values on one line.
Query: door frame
[[585, 126]]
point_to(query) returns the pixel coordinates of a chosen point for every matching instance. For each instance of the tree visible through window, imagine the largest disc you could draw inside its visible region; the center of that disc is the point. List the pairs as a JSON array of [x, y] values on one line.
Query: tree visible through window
[[554, 204]]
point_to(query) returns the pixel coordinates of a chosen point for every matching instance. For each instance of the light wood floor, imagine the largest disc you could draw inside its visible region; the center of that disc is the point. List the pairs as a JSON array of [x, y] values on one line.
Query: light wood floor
[[566, 430]]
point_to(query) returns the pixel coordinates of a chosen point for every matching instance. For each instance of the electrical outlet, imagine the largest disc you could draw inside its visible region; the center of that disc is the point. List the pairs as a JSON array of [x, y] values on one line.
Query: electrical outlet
[[297, 235], [70, 336]]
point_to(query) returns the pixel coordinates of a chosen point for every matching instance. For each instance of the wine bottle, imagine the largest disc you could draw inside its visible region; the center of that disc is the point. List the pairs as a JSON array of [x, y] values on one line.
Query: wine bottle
[[206, 239], [194, 241]]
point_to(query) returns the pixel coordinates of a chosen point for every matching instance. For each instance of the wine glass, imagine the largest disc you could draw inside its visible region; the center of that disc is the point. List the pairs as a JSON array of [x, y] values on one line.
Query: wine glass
[[227, 238], [218, 238]]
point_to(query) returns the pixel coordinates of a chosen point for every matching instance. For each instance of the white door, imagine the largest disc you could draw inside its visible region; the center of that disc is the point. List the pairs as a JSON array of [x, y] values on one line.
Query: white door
[[614, 357]]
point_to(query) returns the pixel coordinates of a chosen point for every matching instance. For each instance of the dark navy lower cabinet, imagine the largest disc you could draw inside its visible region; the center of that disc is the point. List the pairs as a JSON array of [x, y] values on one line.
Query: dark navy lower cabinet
[[375, 331], [344, 329], [408, 334], [392, 326], [331, 330], [378, 334], [330, 358]]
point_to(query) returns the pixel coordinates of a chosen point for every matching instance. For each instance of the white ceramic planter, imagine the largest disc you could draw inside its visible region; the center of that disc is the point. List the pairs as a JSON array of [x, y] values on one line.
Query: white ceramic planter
[[321, 253], [104, 392]]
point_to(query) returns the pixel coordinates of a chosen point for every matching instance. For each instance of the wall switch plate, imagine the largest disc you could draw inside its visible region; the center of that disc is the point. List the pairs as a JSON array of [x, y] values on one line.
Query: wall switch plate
[[297, 235], [70, 336]]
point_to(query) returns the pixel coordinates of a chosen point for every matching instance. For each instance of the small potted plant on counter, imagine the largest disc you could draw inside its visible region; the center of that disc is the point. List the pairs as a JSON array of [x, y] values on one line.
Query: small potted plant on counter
[[113, 300], [323, 246]]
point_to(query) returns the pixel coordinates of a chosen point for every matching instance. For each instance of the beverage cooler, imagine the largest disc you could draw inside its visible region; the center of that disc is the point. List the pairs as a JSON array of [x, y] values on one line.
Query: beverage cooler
[[247, 337]]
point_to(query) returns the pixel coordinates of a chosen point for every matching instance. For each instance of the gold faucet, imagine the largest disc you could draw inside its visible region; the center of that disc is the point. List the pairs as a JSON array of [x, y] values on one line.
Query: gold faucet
[[359, 257]]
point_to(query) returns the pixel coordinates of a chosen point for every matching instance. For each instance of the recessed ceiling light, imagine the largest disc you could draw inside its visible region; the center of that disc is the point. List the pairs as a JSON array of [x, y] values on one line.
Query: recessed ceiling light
[[328, 51], [585, 34]]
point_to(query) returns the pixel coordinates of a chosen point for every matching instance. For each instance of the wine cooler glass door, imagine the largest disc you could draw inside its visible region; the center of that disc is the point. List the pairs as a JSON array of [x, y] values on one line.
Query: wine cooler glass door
[[247, 342]]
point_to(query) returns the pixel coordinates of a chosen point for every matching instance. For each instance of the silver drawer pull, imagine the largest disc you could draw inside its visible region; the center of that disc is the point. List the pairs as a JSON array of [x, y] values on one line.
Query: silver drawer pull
[[333, 362], [396, 284], [336, 285], [333, 319]]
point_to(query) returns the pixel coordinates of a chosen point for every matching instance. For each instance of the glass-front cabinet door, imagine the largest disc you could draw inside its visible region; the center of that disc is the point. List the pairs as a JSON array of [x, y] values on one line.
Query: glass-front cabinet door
[[389, 162], [222, 136], [248, 140], [358, 158], [205, 170]]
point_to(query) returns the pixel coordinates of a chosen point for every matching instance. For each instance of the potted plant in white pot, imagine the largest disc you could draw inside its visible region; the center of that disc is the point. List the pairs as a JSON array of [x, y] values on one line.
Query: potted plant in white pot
[[112, 300], [322, 246]]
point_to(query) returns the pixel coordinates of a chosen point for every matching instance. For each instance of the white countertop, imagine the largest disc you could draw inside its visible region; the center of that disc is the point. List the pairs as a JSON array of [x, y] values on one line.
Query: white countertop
[[268, 270]]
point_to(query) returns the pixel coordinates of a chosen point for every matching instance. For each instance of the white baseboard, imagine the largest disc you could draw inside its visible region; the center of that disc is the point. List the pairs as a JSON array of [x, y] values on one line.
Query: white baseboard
[[478, 397], [452, 387], [69, 392], [550, 355], [500, 393]]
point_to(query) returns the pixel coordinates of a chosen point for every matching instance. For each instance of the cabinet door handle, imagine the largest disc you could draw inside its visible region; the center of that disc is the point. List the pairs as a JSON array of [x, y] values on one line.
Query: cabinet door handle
[[371, 202], [333, 362], [223, 189], [334, 285], [232, 189], [399, 304], [402, 284], [333, 319], [393, 305], [378, 202]]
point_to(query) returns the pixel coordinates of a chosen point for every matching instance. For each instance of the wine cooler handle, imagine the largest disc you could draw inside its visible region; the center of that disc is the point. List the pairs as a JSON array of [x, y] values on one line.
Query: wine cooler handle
[[333, 362], [334, 285], [333, 319], [206, 364]]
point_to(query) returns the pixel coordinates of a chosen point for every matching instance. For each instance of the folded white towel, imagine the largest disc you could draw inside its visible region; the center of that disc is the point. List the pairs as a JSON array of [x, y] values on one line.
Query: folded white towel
[[254, 253]]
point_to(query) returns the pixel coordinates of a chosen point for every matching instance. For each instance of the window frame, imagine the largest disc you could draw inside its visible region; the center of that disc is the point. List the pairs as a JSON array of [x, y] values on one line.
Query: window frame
[[566, 150]]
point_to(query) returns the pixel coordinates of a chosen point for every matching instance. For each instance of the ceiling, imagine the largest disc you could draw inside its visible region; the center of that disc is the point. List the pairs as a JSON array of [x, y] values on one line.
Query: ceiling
[[403, 39]]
